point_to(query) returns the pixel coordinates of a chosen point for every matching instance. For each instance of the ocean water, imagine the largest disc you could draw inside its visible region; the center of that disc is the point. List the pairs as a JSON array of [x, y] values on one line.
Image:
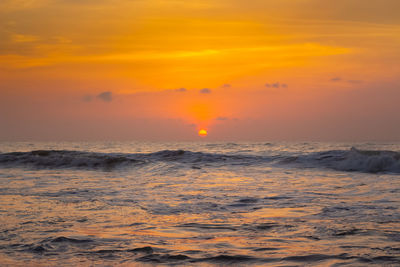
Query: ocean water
[[199, 204]]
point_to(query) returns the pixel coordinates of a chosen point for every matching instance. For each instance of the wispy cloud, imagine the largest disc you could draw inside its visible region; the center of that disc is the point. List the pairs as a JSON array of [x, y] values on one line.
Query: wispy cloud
[[339, 79], [21, 38], [12, 5], [105, 96], [354, 81], [276, 85], [87, 98], [205, 91], [221, 118]]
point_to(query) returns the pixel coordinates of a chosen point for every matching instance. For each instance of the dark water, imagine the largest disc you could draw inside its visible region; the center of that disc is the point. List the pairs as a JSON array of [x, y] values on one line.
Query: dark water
[[273, 204]]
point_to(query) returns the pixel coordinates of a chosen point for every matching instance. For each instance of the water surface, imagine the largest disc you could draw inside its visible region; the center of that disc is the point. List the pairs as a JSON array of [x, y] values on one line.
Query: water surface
[[275, 204]]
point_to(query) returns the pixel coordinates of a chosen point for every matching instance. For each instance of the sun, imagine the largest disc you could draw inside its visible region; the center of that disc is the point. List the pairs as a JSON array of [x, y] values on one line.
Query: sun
[[203, 133]]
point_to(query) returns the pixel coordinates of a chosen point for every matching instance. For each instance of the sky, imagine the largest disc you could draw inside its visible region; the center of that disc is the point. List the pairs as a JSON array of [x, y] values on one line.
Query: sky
[[161, 70]]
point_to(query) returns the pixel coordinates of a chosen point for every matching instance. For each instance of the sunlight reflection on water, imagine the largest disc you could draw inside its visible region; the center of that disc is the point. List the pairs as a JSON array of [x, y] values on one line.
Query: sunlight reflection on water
[[220, 212]]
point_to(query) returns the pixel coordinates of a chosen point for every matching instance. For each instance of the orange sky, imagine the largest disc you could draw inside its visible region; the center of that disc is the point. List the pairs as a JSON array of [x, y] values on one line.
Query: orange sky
[[163, 69]]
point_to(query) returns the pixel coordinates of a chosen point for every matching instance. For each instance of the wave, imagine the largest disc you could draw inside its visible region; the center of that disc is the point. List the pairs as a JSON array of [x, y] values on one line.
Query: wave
[[379, 161], [154, 255], [55, 159], [369, 161]]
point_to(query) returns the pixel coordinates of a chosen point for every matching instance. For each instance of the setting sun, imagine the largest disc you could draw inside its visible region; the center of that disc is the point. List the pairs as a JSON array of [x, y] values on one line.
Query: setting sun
[[301, 98], [203, 133]]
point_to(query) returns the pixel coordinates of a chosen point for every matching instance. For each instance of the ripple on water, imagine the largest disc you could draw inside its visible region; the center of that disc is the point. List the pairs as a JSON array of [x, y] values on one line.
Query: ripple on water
[[199, 208]]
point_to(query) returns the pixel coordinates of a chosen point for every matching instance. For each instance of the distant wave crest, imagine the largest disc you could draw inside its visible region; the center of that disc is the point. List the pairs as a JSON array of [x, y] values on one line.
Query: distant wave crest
[[379, 161], [370, 161], [54, 159]]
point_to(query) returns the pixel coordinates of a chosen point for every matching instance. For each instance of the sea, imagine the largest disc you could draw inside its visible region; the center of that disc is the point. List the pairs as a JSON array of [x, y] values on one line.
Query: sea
[[199, 204]]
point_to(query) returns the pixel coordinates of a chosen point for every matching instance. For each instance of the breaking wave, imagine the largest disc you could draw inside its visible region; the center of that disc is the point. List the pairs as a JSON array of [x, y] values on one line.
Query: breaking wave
[[55, 159], [370, 161], [379, 161]]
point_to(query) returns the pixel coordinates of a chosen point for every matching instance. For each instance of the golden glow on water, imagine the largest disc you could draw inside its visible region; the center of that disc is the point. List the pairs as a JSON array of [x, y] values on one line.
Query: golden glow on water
[[283, 212], [193, 205]]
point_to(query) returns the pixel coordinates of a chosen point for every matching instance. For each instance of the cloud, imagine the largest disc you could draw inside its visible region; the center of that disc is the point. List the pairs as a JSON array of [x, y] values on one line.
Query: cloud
[[205, 91], [21, 38], [87, 98], [338, 79], [276, 85], [222, 118], [354, 81], [12, 5], [105, 96], [226, 85], [177, 90]]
